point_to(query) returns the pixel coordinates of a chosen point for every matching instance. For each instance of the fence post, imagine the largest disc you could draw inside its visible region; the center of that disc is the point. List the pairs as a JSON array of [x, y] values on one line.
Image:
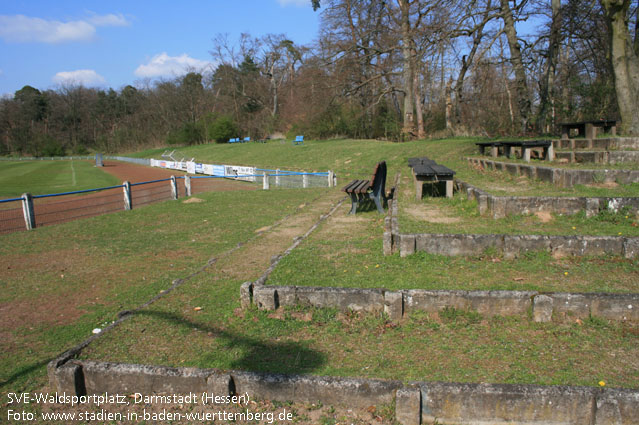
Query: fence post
[[265, 184], [277, 177], [174, 188], [331, 176], [27, 209], [304, 180], [128, 201], [187, 185]]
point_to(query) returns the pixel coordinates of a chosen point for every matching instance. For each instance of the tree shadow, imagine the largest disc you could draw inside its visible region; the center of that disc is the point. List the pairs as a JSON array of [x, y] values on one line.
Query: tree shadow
[[258, 355]]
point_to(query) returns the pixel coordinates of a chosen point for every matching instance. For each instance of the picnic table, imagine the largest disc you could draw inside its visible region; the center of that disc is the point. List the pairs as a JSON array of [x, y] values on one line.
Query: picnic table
[[588, 129], [525, 147], [425, 170]]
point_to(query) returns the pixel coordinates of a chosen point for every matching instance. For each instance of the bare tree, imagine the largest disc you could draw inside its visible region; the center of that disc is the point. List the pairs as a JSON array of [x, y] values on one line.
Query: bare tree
[[624, 53]]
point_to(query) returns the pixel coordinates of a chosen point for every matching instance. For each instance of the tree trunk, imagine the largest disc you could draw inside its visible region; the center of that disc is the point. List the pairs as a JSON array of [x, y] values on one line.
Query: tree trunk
[[546, 95], [521, 86], [625, 63], [409, 120]]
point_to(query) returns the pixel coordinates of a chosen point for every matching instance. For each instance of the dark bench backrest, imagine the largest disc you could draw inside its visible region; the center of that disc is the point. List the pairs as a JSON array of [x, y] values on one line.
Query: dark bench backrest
[[378, 179]]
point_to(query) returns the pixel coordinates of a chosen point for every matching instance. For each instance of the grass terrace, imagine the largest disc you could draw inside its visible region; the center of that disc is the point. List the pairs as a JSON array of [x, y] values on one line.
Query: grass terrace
[[60, 282]]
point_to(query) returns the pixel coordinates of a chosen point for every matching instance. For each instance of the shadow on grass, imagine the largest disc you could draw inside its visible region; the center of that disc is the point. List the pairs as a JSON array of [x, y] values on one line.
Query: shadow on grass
[[23, 371], [257, 354]]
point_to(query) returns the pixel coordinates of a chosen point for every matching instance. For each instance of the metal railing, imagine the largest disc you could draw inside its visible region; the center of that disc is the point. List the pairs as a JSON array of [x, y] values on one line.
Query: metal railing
[[30, 211]]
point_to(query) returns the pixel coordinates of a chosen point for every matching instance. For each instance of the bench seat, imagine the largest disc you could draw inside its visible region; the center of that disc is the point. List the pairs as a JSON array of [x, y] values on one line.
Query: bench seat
[[373, 189]]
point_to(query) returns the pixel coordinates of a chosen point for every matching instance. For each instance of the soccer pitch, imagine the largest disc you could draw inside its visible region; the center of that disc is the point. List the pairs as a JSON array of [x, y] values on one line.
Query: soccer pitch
[[46, 177]]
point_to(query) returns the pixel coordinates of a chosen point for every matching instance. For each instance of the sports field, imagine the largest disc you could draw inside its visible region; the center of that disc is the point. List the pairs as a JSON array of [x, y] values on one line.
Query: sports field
[[45, 177], [58, 283]]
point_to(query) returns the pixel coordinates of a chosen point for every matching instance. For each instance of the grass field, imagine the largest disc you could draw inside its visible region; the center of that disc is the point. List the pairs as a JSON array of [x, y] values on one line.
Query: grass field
[[60, 282], [45, 177]]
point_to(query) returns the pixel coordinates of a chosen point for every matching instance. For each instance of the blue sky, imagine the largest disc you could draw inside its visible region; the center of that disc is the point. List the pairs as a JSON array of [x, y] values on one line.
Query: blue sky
[[48, 43]]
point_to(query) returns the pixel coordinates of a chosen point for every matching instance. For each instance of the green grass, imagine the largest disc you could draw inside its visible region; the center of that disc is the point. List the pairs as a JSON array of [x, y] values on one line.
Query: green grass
[[91, 269], [352, 159], [60, 282], [46, 177], [347, 252]]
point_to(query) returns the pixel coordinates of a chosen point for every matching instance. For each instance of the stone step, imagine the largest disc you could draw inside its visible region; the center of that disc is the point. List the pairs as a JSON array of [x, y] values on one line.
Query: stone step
[[598, 157], [611, 143]]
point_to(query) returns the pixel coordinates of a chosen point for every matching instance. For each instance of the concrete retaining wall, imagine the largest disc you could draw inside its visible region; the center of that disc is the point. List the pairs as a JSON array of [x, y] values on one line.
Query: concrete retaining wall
[[502, 206], [541, 307], [562, 177], [415, 402], [599, 157], [511, 246], [612, 143]]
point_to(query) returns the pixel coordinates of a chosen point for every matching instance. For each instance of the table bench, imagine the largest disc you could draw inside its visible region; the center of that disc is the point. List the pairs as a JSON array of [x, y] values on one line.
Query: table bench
[[588, 129], [527, 145], [494, 148], [524, 145], [299, 140], [426, 170], [373, 189]]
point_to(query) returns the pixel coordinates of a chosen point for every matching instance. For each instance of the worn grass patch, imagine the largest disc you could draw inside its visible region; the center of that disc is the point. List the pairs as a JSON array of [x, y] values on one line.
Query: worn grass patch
[[60, 282]]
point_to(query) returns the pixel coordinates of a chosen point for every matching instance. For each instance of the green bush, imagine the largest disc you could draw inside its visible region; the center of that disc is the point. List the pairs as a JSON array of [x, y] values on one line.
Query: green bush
[[189, 134], [222, 129], [50, 147]]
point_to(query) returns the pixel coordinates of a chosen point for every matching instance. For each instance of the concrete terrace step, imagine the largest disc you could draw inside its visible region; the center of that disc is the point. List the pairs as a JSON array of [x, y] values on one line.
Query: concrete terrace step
[[612, 143]]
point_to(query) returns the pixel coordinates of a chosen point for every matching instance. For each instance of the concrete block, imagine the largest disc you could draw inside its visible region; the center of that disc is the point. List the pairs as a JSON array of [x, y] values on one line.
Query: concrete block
[[571, 306], [452, 245], [617, 407], [246, 294], [119, 378], [592, 207], [351, 392], [622, 307], [408, 402], [285, 295], [406, 245], [631, 248], [264, 297], [514, 245], [545, 174], [388, 242], [542, 308], [489, 303], [506, 404], [512, 168], [67, 378], [602, 245], [394, 305], [343, 299], [310, 389]]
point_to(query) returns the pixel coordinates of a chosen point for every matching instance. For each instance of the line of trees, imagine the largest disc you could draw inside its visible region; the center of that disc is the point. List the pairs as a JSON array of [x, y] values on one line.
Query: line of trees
[[391, 69]]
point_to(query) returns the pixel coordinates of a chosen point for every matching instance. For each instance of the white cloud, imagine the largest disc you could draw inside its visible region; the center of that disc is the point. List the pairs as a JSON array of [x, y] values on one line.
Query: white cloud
[[84, 77], [26, 29], [285, 3], [109, 20], [163, 65]]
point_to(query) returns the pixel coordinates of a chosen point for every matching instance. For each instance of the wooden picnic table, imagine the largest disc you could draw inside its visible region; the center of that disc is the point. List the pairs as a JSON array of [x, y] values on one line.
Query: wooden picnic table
[[588, 129], [426, 170], [524, 145]]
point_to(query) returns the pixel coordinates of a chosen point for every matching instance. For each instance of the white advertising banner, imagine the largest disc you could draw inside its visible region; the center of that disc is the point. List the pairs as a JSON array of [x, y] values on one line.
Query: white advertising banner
[[235, 170], [190, 167]]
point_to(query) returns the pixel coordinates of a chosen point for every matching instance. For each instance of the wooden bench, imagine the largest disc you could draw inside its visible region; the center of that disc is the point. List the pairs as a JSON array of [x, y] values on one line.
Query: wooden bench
[[426, 170], [588, 129], [373, 189], [299, 140]]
